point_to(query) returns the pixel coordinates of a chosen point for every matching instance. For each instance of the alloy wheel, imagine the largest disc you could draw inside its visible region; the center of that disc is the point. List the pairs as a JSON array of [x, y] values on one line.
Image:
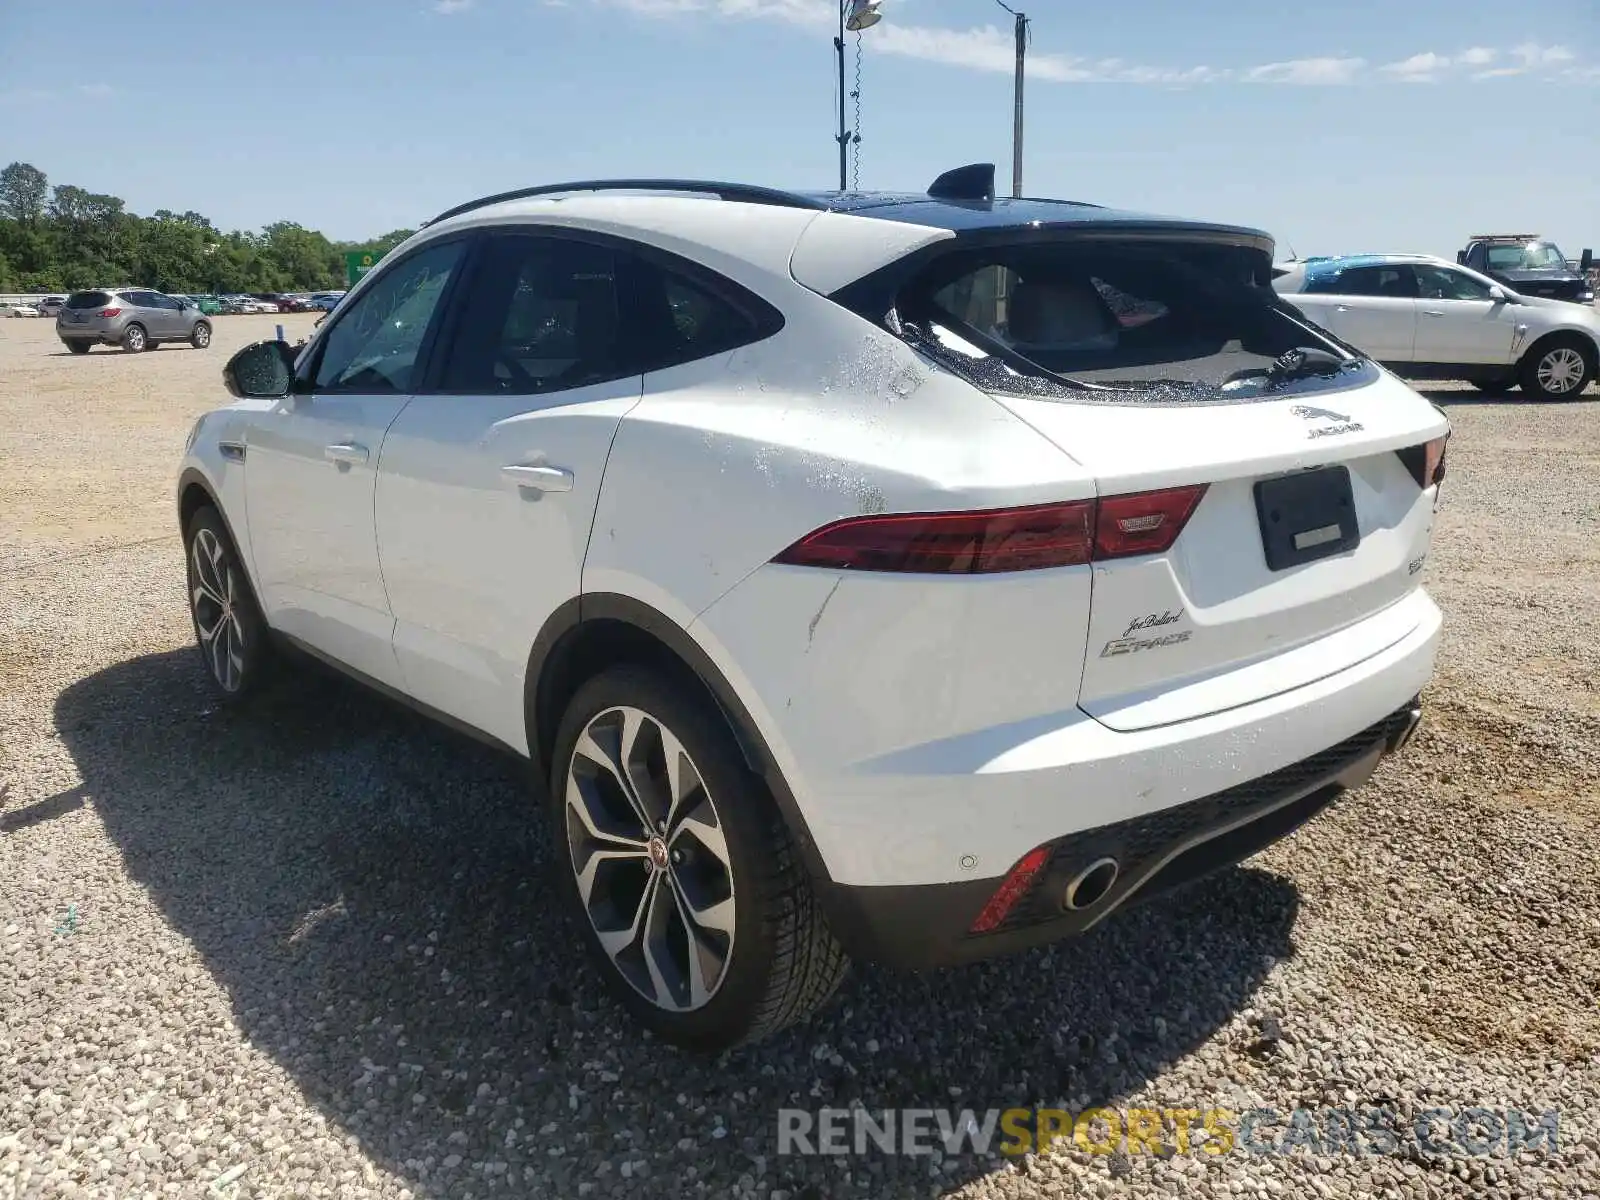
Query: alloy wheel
[[202, 336], [136, 339], [1561, 370], [650, 859], [216, 618]]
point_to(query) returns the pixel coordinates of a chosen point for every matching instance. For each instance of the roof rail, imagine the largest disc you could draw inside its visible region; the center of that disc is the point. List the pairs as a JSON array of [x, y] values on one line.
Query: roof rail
[[739, 192]]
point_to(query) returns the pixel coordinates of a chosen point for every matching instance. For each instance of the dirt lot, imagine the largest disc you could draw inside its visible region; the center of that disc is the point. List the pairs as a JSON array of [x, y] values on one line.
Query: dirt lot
[[302, 950]]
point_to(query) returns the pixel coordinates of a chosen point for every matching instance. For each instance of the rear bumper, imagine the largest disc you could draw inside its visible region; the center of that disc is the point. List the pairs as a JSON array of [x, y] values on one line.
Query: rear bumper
[[914, 927]]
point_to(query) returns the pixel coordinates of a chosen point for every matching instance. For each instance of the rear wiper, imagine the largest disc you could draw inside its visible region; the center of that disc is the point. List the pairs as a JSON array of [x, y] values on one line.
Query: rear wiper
[[1303, 362]]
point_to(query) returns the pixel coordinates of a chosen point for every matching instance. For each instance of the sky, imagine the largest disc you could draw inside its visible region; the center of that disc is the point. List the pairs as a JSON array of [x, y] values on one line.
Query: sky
[[1361, 125]]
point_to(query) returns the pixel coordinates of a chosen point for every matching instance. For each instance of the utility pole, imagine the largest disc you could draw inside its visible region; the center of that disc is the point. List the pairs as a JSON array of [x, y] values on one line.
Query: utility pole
[[1021, 20]]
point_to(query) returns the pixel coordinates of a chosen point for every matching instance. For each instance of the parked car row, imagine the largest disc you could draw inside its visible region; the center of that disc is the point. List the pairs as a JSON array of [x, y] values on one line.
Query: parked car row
[[210, 304]]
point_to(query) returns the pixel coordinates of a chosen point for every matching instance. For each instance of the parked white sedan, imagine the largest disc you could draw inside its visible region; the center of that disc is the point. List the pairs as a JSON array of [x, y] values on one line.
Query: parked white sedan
[[1427, 318]]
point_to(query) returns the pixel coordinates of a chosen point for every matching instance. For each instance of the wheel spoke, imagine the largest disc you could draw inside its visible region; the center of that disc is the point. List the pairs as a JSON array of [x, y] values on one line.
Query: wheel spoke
[[603, 746], [587, 877], [699, 822], [715, 916], [612, 839], [663, 910]]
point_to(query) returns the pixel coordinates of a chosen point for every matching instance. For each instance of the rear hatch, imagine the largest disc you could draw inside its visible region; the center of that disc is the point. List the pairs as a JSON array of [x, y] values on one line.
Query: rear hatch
[[83, 309], [1302, 508]]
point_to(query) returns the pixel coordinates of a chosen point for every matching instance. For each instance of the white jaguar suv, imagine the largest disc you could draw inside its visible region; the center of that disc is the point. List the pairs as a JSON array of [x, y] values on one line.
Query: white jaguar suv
[[906, 577]]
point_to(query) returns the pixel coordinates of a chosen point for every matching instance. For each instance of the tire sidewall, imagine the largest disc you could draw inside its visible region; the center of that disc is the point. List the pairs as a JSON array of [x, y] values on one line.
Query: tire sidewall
[[128, 339], [252, 627], [742, 806], [200, 336]]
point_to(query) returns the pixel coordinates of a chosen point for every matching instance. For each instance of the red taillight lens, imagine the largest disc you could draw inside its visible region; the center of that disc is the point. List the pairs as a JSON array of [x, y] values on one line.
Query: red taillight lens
[[1012, 888], [1143, 522], [957, 543], [1001, 539], [1426, 462], [110, 312]]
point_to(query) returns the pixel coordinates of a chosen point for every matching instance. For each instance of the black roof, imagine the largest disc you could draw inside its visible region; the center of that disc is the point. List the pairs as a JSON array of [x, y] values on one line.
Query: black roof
[[962, 201]]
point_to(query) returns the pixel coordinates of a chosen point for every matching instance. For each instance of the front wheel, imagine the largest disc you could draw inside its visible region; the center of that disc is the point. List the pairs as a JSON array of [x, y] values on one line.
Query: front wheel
[[691, 897], [1558, 368], [200, 337], [228, 627]]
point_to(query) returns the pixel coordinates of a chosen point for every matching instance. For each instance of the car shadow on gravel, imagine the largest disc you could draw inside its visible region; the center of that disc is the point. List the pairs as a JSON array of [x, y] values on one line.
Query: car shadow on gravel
[[368, 889]]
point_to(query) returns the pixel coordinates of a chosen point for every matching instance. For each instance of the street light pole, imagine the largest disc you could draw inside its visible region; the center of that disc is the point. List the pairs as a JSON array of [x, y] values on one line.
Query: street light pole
[[843, 137], [1021, 21], [854, 15]]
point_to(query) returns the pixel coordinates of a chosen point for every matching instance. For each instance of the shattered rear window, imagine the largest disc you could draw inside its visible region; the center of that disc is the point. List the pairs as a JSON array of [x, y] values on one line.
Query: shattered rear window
[[1054, 317]]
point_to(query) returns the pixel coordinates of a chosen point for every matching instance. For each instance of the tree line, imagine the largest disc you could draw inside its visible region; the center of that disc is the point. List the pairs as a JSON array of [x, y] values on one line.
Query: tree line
[[64, 238]]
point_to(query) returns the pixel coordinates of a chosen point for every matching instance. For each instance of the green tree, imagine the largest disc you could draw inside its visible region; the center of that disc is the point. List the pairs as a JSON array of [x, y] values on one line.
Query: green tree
[[22, 191]]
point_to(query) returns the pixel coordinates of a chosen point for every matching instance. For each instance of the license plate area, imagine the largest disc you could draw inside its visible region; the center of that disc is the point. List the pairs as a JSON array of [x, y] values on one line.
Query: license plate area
[[1306, 517]]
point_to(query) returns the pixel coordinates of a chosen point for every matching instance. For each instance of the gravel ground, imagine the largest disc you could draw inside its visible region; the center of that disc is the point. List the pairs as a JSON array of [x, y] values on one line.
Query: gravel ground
[[304, 952]]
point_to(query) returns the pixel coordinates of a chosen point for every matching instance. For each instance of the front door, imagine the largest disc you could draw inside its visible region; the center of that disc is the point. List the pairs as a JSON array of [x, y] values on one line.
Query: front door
[[311, 467], [490, 479], [1458, 321]]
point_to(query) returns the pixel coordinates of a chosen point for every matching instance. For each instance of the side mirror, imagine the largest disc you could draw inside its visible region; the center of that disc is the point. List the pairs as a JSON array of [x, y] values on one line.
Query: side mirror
[[1499, 295], [1461, 257], [261, 371], [1586, 260]]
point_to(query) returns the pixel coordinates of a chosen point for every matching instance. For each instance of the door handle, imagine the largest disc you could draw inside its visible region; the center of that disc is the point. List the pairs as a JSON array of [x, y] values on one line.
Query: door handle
[[1432, 312], [1341, 308], [539, 479], [345, 452]]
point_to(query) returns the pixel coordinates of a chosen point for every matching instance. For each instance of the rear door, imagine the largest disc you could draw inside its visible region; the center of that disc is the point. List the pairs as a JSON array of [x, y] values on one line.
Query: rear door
[[1458, 321], [1371, 307], [489, 480]]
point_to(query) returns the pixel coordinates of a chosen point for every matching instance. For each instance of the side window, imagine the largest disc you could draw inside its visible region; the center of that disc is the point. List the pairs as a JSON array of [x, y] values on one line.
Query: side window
[[375, 345], [163, 301], [542, 314], [1441, 283], [140, 299], [1395, 282], [679, 318]]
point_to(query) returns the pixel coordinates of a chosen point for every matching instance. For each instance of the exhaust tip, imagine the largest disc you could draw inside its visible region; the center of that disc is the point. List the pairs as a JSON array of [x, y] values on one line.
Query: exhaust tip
[[1090, 885], [1413, 719]]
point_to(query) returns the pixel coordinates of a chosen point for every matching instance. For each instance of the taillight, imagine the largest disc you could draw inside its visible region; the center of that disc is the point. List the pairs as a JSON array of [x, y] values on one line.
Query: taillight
[[1012, 888], [956, 543], [1001, 539], [1426, 461], [110, 312], [1143, 522]]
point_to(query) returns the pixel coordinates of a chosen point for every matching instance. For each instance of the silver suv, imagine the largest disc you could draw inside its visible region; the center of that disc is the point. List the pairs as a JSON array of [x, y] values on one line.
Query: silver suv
[[133, 318]]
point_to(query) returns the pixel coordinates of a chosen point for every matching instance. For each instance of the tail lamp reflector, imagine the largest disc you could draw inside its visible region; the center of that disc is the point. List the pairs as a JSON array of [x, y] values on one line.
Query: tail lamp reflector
[[1012, 889]]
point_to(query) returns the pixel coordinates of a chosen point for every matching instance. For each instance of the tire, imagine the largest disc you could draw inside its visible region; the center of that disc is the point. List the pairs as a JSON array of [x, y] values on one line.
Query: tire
[[135, 340], [1558, 368], [1493, 387], [774, 961], [236, 652], [200, 335], [79, 347]]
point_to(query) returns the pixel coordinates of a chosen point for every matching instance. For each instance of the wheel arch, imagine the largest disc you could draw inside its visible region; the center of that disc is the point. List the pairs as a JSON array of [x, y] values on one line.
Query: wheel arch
[[590, 633], [1588, 339], [195, 491]]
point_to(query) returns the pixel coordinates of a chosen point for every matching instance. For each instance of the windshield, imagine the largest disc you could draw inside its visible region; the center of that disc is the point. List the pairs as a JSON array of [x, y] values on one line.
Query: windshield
[[1531, 256], [1134, 315]]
